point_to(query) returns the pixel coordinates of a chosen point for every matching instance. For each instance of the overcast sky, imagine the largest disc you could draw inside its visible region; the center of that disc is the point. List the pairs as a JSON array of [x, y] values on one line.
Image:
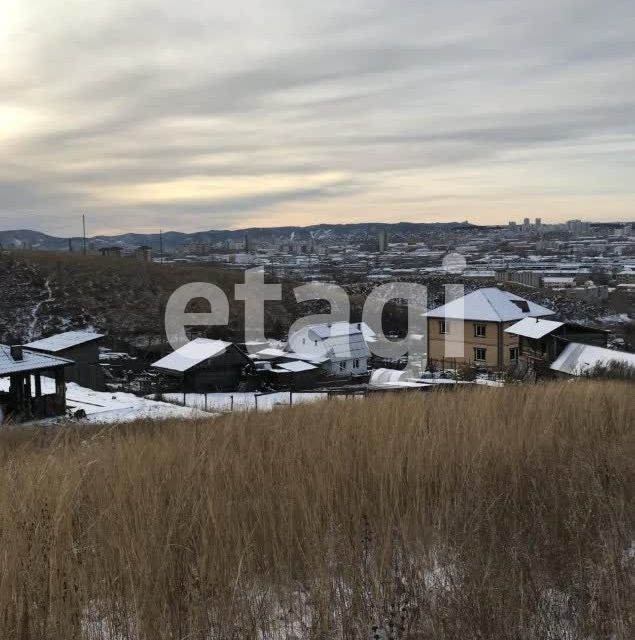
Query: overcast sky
[[200, 114]]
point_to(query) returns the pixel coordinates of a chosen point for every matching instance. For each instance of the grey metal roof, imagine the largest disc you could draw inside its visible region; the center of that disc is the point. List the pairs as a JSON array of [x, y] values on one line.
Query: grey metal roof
[[31, 361], [490, 305], [61, 341]]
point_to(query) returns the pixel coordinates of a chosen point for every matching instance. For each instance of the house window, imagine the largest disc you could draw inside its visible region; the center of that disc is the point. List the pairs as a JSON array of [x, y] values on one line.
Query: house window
[[356, 364], [479, 330], [480, 354], [513, 353], [343, 365], [444, 327]]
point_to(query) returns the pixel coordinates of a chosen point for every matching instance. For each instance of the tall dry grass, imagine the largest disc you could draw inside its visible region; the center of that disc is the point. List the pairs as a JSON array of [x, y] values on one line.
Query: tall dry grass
[[488, 513]]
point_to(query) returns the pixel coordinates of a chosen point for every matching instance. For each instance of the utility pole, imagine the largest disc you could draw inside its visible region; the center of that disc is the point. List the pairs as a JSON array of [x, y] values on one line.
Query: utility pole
[[84, 231], [161, 244]]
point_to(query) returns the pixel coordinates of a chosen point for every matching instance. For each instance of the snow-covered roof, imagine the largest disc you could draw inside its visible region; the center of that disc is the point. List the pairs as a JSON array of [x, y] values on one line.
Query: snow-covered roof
[[31, 361], [296, 366], [578, 358], [535, 328], [389, 378], [337, 329], [66, 340], [381, 376], [270, 352], [192, 354], [337, 341], [346, 346], [490, 305], [307, 357]]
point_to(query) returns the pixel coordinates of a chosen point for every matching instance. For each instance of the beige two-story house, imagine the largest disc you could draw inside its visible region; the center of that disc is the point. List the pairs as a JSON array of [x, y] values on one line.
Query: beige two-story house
[[471, 329]]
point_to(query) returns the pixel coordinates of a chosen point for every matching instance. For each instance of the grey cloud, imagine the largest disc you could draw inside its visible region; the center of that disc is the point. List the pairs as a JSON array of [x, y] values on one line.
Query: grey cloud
[[300, 88]]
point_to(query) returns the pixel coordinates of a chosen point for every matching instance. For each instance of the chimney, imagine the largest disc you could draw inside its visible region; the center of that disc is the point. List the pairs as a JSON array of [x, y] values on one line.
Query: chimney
[[16, 352]]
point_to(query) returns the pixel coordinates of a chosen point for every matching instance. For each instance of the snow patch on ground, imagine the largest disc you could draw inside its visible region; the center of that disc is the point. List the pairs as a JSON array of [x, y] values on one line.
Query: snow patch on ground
[[616, 318], [244, 401], [102, 407]]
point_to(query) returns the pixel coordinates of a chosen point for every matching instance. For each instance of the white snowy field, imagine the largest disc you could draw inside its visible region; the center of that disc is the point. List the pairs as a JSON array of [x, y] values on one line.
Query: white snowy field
[[245, 401], [104, 407]]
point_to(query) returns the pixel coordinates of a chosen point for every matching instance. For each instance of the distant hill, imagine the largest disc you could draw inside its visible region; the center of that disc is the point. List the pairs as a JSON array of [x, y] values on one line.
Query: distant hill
[[172, 239]]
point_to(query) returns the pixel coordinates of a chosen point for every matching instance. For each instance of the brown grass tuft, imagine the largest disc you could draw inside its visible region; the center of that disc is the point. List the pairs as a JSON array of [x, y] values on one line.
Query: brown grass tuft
[[486, 513]]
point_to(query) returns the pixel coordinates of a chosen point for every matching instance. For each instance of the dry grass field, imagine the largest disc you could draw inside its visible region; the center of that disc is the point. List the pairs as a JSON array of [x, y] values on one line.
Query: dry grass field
[[486, 513]]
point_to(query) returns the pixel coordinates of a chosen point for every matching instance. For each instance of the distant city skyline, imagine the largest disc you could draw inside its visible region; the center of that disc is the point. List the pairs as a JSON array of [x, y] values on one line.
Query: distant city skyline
[[145, 114]]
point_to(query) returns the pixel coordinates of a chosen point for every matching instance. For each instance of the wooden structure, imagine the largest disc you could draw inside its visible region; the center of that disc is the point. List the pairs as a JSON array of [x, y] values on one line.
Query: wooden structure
[[111, 252], [143, 253], [82, 347], [294, 374], [25, 399], [542, 341], [204, 365]]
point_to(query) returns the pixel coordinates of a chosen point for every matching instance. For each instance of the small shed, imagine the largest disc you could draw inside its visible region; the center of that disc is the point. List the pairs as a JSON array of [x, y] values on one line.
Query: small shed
[[24, 399], [289, 370], [544, 340], [82, 347], [111, 252], [295, 374], [205, 365]]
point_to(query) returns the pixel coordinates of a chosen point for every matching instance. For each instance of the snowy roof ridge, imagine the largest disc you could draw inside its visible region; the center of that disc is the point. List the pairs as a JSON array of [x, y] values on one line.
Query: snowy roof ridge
[[489, 304], [31, 361], [65, 340]]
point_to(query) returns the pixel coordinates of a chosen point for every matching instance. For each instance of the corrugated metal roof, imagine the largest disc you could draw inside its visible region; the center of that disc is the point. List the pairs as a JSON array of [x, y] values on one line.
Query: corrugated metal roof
[[578, 358], [66, 340], [489, 305], [31, 361], [534, 328]]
